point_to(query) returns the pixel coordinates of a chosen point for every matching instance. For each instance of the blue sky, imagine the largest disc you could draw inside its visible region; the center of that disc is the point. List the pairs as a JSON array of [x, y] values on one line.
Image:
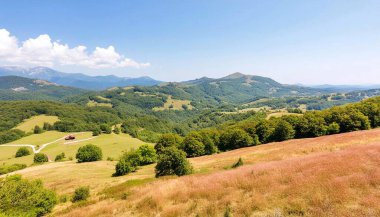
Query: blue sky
[[310, 42]]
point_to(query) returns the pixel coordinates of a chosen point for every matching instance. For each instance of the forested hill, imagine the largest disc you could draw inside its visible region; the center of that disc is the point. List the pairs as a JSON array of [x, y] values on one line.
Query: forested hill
[[20, 88]]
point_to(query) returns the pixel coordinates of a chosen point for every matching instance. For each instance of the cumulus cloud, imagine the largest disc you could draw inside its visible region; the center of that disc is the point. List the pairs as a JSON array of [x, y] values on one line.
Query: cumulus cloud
[[43, 51]]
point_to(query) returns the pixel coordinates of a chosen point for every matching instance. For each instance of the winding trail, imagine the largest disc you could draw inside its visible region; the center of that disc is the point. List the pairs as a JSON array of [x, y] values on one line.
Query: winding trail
[[33, 147]]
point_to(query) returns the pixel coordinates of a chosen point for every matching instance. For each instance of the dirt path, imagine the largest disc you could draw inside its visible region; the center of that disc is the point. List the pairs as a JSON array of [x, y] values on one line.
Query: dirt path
[[33, 147]]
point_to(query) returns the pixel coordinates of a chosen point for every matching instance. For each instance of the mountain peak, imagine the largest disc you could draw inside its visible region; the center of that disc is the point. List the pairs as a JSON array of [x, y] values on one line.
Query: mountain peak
[[235, 75]]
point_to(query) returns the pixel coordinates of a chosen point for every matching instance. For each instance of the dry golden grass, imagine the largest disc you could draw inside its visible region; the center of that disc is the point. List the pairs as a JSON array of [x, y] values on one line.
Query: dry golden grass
[[176, 103], [92, 103], [29, 124], [335, 175]]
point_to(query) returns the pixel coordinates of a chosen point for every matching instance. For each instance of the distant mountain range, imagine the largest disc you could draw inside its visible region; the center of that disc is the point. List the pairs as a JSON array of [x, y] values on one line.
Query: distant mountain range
[[78, 80], [20, 88], [346, 88]]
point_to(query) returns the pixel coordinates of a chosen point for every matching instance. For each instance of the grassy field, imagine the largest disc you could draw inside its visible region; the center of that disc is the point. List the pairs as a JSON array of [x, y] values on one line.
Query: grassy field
[[112, 145], [175, 103], [335, 175], [29, 124], [92, 103]]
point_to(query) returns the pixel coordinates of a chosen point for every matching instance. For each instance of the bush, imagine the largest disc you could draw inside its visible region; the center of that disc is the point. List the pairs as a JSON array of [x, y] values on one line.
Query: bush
[[234, 138], [147, 154], [172, 161], [116, 130], [60, 157], [23, 151], [283, 131], [96, 132], [128, 163], [11, 135], [81, 194], [20, 197], [11, 168], [238, 163], [193, 146], [40, 158], [37, 130], [89, 153], [167, 140]]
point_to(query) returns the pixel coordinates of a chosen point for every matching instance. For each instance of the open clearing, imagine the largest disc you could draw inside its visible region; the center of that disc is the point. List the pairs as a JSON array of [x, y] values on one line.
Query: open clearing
[[337, 175], [29, 124], [92, 103], [174, 104]]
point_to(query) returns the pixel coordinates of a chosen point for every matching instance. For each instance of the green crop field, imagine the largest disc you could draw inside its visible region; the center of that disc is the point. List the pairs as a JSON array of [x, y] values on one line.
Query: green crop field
[[29, 124]]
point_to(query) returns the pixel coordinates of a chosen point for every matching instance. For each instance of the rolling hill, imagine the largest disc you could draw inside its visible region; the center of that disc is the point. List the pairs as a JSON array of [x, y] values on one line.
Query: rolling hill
[[20, 88], [335, 175], [78, 80]]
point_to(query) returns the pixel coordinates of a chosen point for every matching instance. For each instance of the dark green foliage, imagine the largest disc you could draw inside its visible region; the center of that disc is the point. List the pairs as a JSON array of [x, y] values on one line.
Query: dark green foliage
[[10, 135], [60, 157], [96, 131], [283, 131], [172, 161], [348, 118], [234, 138], [167, 140], [106, 128], [147, 154], [11, 168], [238, 163], [116, 130], [37, 129], [40, 158], [48, 126], [23, 151], [81, 194], [20, 197], [333, 128], [89, 153], [128, 163], [193, 145]]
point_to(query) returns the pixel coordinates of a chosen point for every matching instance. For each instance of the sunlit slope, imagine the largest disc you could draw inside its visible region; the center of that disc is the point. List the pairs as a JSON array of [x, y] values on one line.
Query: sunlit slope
[[29, 124], [337, 175]]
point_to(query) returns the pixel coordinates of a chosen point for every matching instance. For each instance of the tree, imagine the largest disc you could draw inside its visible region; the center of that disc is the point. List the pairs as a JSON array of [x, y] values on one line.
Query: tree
[[116, 130], [60, 157], [167, 140], [210, 147], [106, 128], [47, 126], [128, 163], [234, 138], [283, 131], [20, 197], [172, 161], [37, 129], [23, 151], [81, 194], [333, 128], [96, 131], [89, 153], [40, 158], [147, 154], [263, 131], [193, 145]]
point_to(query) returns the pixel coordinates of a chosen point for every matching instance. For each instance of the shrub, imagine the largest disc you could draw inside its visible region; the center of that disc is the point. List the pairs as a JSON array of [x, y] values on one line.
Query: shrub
[[40, 158], [89, 153], [333, 128], [283, 131], [167, 140], [147, 154], [96, 132], [172, 161], [60, 157], [32, 198], [238, 163], [81, 194], [11, 168], [23, 151], [47, 126], [37, 130], [193, 146], [235, 138], [127, 163], [116, 130]]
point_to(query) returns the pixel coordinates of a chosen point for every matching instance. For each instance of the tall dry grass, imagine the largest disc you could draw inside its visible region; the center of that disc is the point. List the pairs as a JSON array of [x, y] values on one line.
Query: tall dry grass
[[341, 183]]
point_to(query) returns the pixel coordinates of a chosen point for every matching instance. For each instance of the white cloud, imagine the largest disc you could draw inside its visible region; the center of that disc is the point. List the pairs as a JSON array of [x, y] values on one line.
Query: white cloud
[[43, 51]]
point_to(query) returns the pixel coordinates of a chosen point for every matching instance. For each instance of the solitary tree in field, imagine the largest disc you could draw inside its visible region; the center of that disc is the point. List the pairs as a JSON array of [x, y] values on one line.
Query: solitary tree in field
[[37, 130], [89, 153], [172, 161], [23, 151]]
